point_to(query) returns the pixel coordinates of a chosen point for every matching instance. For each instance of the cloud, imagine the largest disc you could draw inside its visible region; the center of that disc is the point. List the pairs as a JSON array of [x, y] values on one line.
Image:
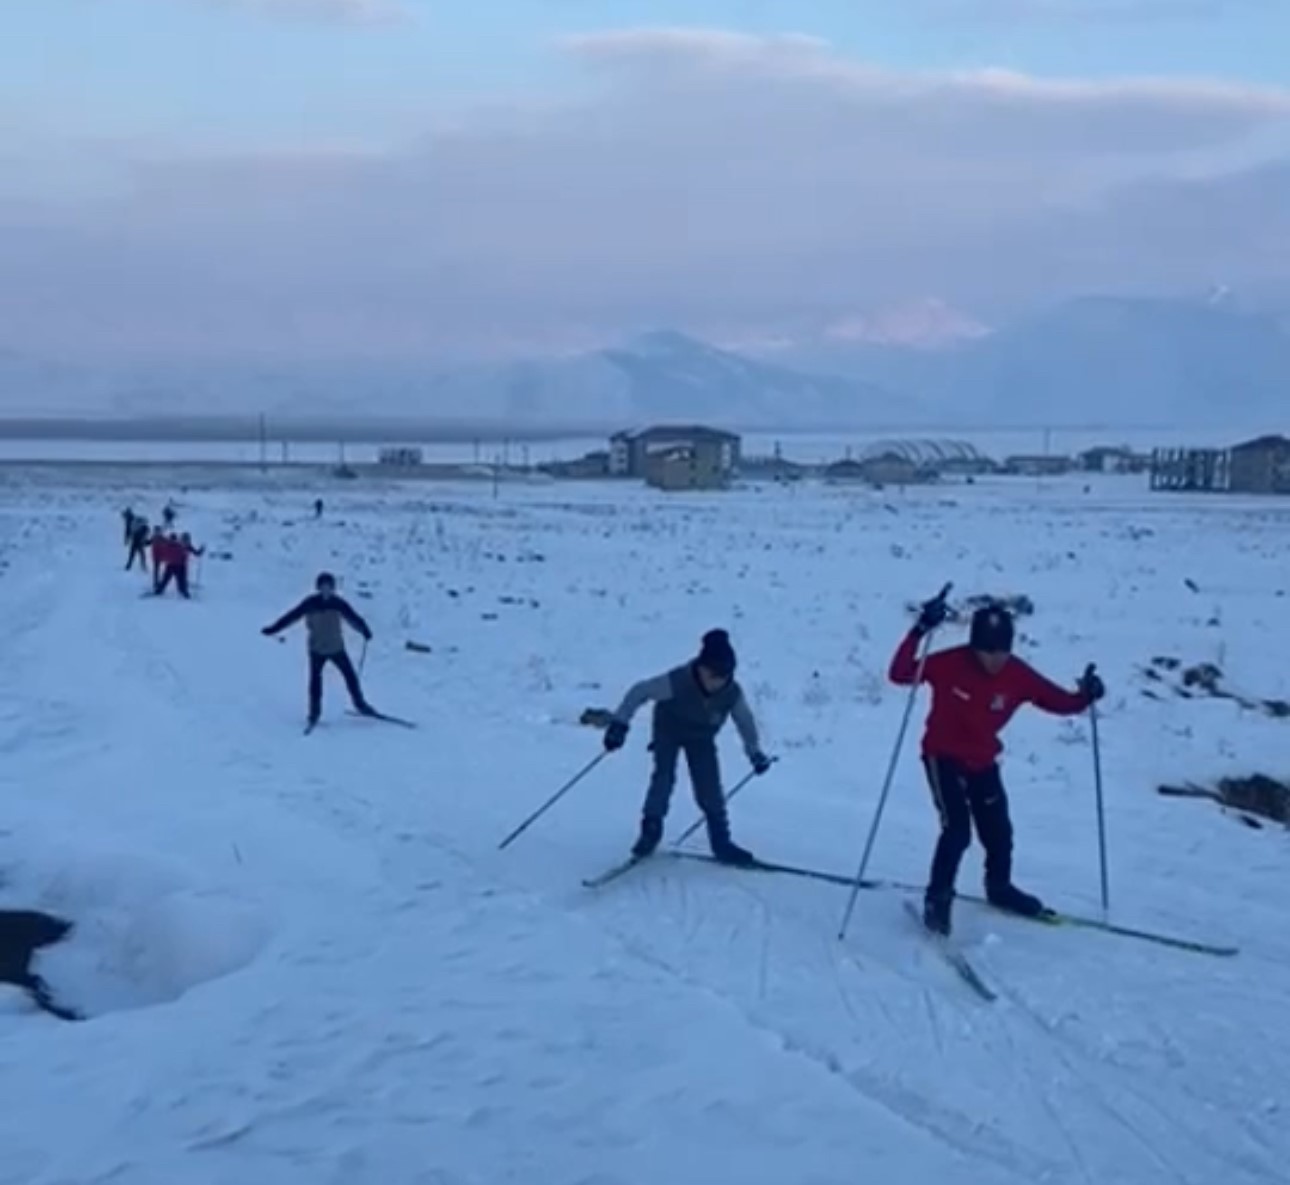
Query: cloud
[[700, 177], [1095, 11], [355, 12]]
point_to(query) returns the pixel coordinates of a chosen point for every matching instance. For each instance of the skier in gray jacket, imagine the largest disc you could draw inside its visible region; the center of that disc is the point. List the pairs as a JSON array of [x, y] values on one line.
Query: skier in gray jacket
[[691, 704], [323, 612]]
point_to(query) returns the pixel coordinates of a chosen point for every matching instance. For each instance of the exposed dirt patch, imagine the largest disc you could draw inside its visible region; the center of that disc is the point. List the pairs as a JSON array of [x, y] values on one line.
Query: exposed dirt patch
[[1203, 681], [1254, 798]]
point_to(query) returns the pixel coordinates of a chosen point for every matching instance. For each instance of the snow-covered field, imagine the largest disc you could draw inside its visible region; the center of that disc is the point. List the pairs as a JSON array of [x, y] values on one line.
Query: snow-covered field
[[309, 963]]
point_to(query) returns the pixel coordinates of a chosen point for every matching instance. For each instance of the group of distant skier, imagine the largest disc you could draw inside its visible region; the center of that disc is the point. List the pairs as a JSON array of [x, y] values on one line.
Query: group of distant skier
[[168, 550], [976, 689], [323, 611]]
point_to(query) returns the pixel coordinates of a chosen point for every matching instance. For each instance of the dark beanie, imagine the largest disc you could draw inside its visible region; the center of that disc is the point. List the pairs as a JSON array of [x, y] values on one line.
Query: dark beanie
[[991, 629], [717, 654]]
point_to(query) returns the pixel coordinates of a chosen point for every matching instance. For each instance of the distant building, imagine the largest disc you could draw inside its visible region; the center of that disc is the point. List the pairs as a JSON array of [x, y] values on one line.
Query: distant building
[[1046, 465], [686, 467], [892, 469], [1260, 466], [932, 458], [1111, 459], [594, 464], [400, 457], [774, 468], [847, 469], [630, 451], [1187, 470]]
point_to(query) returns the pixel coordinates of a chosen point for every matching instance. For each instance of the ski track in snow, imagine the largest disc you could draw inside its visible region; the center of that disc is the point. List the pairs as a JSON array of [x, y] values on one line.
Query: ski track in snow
[[307, 961]]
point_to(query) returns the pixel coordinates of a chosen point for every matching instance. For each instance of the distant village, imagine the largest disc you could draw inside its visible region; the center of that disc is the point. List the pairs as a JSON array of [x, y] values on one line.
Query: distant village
[[696, 457]]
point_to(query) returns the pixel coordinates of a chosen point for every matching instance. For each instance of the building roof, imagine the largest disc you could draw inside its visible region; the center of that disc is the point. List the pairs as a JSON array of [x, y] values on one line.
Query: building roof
[[1270, 441], [925, 452], [675, 431]]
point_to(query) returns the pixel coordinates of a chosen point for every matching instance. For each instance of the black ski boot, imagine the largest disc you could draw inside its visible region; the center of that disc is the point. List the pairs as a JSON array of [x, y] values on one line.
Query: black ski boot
[[936, 912], [724, 849], [650, 837], [729, 852], [1012, 900]]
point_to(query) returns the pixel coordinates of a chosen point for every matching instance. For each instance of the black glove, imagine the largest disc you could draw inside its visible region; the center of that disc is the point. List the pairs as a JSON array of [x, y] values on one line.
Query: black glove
[[1092, 686], [615, 735], [267, 631], [760, 762], [932, 615]]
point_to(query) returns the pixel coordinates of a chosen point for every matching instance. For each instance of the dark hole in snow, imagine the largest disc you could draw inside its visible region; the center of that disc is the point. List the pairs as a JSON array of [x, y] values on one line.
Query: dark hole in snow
[[139, 938]]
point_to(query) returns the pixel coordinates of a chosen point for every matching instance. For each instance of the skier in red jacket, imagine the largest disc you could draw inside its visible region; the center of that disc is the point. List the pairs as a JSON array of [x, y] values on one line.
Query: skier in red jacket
[[976, 689]]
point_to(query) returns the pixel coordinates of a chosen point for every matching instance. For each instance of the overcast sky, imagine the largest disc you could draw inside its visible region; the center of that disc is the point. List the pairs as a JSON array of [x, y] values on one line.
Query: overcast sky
[[318, 178]]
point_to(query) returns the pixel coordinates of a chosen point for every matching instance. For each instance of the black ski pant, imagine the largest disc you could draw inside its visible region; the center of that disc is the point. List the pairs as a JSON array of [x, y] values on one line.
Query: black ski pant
[[341, 660], [965, 798], [138, 551], [705, 779], [179, 574]]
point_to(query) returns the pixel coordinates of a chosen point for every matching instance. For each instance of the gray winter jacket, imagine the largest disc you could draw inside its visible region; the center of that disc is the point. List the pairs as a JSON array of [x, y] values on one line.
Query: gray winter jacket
[[323, 617], [683, 711]]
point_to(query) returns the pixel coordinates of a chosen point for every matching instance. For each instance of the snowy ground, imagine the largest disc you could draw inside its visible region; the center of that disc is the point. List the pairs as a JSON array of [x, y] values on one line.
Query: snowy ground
[[308, 962]]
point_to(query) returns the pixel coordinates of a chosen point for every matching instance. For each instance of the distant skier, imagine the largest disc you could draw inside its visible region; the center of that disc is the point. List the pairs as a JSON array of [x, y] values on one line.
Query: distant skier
[[174, 557], [128, 521], [975, 691], [323, 612], [167, 560], [318, 507], [139, 536], [691, 704]]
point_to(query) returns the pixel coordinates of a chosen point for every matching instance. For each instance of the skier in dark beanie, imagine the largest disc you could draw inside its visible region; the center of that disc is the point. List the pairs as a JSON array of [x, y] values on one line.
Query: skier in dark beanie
[[691, 704], [323, 612], [975, 691]]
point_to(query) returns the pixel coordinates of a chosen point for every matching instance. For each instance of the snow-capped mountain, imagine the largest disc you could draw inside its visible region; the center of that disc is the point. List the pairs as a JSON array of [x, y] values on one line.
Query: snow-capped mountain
[[1215, 359], [927, 324], [1103, 359], [1093, 360], [656, 376]]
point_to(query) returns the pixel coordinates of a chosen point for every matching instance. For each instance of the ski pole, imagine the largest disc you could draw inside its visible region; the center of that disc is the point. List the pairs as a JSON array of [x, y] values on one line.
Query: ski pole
[[1101, 809], [550, 802], [748, 777], [891, 773], [362, 658]]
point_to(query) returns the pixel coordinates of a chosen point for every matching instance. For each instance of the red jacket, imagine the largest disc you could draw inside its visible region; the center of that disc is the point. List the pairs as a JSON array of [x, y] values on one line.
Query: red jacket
[[971, 706], [167, 551]]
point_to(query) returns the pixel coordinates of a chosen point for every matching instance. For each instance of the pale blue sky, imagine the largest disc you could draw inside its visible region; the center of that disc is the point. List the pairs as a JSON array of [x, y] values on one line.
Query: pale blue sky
[[221, 175], [235, 68]]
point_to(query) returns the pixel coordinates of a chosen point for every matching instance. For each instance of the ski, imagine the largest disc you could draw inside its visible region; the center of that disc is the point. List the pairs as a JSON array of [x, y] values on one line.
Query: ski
[[832, 878], [1053, 917], [399, 720], [613, 873], [952, 955], [310, 725], [1048, 918]]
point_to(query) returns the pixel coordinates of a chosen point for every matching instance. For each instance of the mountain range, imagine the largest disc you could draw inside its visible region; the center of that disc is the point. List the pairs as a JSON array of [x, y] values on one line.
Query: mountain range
[[1104, 361]]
